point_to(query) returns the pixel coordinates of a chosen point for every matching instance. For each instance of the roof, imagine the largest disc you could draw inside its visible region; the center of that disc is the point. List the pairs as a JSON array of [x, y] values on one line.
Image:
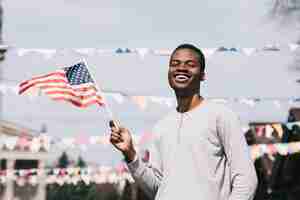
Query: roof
[[13, 129]]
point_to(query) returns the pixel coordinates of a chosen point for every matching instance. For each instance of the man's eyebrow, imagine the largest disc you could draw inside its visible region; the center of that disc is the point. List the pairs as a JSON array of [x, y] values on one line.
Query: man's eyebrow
[[190, 60]]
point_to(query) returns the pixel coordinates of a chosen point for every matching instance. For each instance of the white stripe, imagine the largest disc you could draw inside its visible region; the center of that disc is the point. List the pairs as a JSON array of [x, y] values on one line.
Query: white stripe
[[53, 77], [83, 85], [74, 98]]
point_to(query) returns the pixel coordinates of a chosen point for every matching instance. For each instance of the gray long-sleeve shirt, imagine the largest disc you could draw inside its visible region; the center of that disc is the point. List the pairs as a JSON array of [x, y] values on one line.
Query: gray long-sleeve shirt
[[201, 153]]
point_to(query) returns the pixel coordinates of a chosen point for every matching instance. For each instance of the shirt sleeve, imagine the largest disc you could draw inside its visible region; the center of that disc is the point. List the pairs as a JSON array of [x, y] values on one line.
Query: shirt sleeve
[[148, 175], [242, 172]]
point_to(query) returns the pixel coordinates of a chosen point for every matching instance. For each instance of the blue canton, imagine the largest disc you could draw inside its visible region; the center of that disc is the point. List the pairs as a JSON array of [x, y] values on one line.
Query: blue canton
[[78, 74]]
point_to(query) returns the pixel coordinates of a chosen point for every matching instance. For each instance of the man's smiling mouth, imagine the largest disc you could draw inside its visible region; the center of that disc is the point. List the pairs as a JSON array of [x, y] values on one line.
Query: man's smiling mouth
[[181, 77]]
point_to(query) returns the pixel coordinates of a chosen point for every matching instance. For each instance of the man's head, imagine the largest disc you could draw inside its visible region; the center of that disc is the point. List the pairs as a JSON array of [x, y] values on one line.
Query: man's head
[[186, 69]]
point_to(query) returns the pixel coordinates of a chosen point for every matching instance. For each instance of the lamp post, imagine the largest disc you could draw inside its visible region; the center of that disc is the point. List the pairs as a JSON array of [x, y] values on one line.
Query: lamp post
[[3, 49]]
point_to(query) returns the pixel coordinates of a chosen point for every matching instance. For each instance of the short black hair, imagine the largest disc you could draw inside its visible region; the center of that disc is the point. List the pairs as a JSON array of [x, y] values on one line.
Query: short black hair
[[198, 51]]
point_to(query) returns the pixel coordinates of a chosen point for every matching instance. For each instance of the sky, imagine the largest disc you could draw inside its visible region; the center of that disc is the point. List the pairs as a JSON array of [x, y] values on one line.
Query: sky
[[151, 24]]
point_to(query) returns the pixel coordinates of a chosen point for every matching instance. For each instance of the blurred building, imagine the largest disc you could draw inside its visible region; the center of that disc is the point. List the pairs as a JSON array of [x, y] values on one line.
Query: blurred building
[[21, 158]]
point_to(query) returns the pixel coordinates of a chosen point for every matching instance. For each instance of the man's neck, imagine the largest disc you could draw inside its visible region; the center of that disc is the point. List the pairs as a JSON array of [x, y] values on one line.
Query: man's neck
[[187, 103]]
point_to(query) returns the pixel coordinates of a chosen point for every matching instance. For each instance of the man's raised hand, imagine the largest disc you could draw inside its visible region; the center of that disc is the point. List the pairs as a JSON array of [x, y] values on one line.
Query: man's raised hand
[[121, 138]]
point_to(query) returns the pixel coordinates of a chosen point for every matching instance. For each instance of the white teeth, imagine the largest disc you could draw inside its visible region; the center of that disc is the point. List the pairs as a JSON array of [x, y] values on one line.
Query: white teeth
[[181, 77]]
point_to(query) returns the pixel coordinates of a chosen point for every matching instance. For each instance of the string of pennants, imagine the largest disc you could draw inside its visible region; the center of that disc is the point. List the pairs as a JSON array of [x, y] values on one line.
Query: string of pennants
[[106, 174], [142, 52], [70, 175], [143, 101], [115, 175], [82, 142], [46, 143]]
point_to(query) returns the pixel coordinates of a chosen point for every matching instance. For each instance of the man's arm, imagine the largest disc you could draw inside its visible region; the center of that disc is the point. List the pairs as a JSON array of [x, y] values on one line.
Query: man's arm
[[148, 176], [243, 175]]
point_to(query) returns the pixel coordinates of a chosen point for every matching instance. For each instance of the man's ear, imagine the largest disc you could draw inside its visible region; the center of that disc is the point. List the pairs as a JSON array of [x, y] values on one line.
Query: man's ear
[[202, 76]]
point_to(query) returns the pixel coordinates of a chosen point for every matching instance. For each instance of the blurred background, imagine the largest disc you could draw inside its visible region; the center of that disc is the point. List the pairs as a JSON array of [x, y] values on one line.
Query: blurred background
[[252, 56]]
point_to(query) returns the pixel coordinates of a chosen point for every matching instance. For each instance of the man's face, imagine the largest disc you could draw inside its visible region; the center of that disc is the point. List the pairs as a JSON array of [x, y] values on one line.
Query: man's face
[[185, 71]]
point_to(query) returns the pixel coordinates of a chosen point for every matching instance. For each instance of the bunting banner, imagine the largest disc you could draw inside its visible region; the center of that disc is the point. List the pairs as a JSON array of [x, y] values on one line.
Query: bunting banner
[[46, 143], [114, 175], [83, 141], [70, 175], [142, 101], [143, 52], [283, 149]]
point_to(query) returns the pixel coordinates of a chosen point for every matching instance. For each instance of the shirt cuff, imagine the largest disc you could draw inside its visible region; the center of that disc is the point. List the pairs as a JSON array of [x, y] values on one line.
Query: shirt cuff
[[135, 166]]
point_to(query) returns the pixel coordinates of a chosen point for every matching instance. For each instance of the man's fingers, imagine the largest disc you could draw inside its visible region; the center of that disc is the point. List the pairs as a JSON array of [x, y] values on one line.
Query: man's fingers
[[113, 124], [116, 135], [114, 129]]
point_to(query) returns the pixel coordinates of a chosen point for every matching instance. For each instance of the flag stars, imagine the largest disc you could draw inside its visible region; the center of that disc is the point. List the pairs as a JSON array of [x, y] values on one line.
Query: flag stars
[[78, 74]]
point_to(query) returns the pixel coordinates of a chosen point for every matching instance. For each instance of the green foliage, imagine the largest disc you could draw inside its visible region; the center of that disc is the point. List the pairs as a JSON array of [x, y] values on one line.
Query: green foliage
[[63, 161], [81, 191]]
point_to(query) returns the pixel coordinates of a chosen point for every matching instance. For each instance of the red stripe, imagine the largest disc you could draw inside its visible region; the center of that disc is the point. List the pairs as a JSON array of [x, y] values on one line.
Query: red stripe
[[39, 82], [44, 76], [82, 97], [80, 104]]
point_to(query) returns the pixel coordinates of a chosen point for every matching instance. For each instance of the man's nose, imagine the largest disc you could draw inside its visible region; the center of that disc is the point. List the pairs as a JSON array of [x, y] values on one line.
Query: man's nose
[[182, 66]]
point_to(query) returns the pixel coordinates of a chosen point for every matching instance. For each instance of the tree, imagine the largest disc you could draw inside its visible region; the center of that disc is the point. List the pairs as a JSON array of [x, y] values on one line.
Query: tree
[[81, 163], [63, 160]]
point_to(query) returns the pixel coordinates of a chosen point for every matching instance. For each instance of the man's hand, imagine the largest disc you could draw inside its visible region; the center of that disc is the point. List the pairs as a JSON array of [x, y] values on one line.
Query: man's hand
[[122, 140]]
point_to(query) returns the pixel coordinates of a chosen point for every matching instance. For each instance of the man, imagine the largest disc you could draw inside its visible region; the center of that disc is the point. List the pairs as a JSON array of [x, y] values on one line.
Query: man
[[200, 151]]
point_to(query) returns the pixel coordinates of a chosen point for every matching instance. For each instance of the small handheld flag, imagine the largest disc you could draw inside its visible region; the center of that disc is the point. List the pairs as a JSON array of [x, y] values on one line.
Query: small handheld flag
[[72, 84]]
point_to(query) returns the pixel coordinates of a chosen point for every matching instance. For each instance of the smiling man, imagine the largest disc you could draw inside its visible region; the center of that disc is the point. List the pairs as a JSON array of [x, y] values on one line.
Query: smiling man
[[199, 150]]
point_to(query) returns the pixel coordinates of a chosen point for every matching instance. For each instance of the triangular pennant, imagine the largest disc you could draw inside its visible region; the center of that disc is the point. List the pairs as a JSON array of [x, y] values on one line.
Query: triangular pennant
[[163, 52], [219, 100], [271, 47], [47, 53], [208, 52], [142, 52], [85, 51], [269, 130], [248, 51], [282, 149], [117, 97], [140, 101], [294, 47], [278, 129], [23, 52]]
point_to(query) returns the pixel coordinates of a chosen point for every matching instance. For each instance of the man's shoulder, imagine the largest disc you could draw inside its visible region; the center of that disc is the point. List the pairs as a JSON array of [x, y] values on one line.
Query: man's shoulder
[[220, 109]]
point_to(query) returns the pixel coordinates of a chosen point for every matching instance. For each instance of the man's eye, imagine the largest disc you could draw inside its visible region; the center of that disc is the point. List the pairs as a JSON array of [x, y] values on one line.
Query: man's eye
[[191, 64], [174, 63]]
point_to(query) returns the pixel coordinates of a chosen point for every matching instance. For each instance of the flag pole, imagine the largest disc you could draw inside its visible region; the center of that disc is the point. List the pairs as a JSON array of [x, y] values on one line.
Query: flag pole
[[106, 106]]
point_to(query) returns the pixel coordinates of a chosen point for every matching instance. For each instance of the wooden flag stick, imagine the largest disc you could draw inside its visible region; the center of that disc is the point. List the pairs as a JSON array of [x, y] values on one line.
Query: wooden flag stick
[[106, 106]]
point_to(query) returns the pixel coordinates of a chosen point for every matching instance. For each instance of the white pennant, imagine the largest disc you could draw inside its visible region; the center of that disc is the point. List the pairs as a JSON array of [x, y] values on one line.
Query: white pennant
[[117, 97], [47, 53], [248, 51], [277, 103], [69, 142], [248, 102], [142, 52], [85, 51], [14, 89], [3, 88], [219, 100], [11, 142], [86, 179], [163, 52], [35, 145], [23, 52], [208, 51], [293, 47], [33, 180], [269, 130]]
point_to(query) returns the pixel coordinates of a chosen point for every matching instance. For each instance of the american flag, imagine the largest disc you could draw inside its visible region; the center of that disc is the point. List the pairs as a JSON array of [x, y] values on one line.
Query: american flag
[[72, 84]]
